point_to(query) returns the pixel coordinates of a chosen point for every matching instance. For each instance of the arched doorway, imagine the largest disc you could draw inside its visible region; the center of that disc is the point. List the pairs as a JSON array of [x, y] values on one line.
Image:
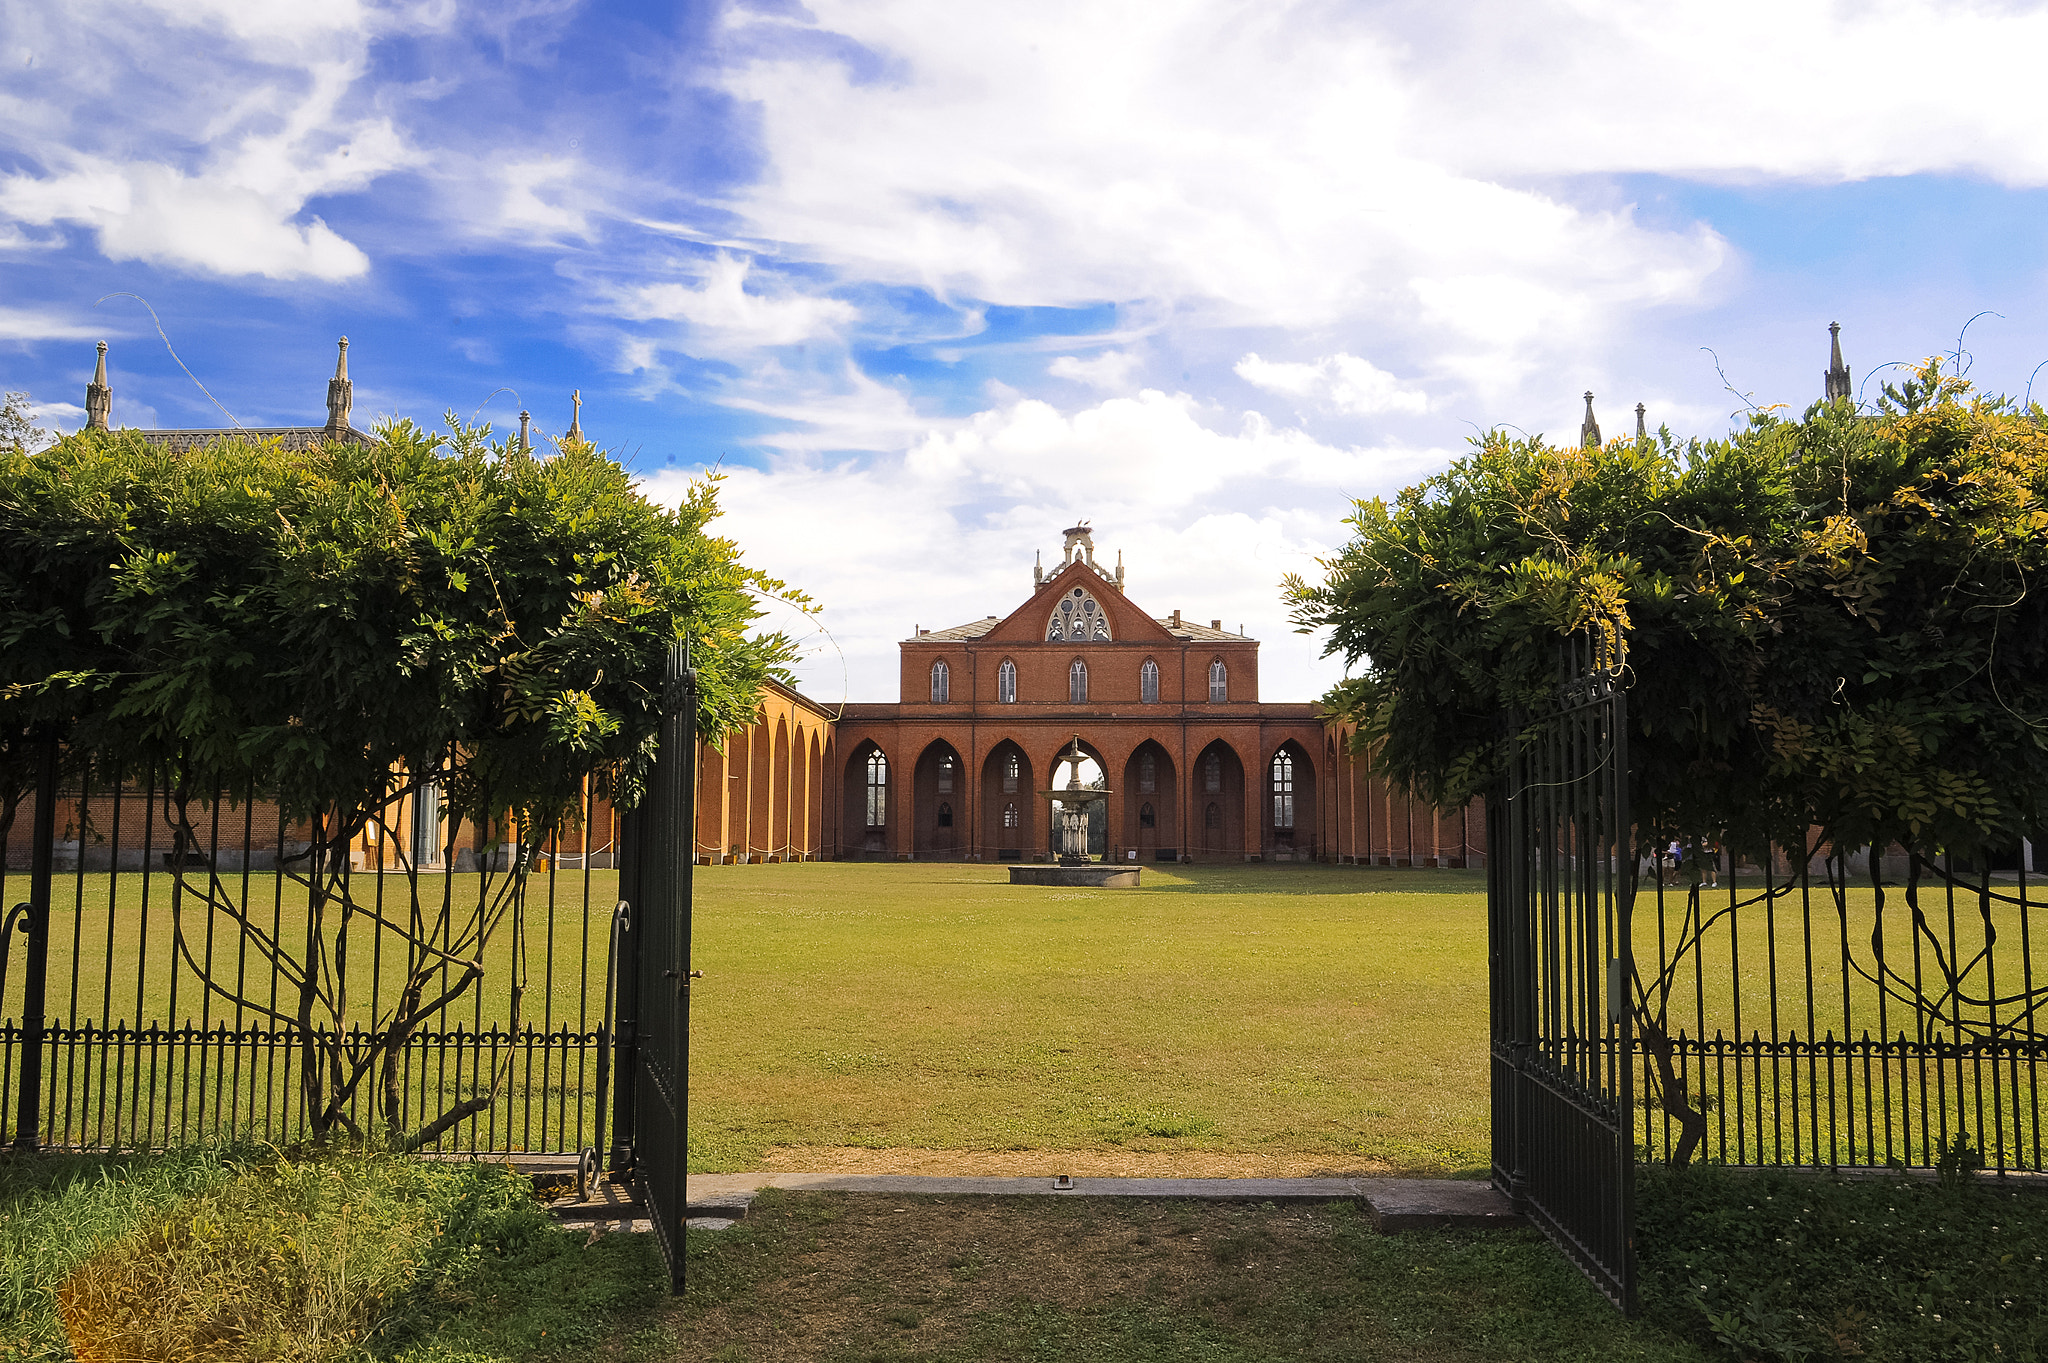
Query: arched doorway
[[1217, 791], [941, 801], [1092, 773], [870, 809], [1289, 816], [1151, 803], [1010, 807]]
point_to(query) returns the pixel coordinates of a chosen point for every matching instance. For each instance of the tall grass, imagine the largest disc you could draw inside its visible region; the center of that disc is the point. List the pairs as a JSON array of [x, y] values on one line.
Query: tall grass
[[240, 1253]]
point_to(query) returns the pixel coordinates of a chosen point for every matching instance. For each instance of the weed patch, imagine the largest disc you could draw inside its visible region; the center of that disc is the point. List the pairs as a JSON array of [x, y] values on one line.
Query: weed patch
[[1793, 1267], [237, 1253]]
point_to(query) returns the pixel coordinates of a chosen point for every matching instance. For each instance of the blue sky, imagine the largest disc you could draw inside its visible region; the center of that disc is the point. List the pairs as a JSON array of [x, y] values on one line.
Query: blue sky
[[929, 281]]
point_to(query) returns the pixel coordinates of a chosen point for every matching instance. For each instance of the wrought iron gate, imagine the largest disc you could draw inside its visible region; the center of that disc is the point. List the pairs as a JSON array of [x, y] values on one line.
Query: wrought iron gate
[[1559, 893], [653, 990]]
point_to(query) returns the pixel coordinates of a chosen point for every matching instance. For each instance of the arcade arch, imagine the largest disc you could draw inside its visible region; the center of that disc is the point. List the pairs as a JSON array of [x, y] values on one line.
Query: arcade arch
[[1151, 803], [1011, 811], [939, 820]]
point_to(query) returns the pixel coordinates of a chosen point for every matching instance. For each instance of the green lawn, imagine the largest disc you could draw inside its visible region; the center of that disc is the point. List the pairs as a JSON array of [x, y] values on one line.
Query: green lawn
[[1332, 1013], [566, 927], [1225, 1019]]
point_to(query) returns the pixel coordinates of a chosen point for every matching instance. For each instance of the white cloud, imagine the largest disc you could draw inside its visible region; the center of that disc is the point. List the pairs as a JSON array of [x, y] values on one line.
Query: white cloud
[[38, 324], [1110, 371], [208, 223], [961, 514], [1747, 88], [1342, 381], [213, 175], [66, 413], [1205, 158], [721, 309]]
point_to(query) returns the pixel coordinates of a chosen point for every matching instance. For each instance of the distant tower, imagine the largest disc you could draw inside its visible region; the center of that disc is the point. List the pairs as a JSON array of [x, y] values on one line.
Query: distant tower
[[575, 416], [99, 399], [1589, 429], [1837, 377], [525, 442], [341, 395], [1642, 431]]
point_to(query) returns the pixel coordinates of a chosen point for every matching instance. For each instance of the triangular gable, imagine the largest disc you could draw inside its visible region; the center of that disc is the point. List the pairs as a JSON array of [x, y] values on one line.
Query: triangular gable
[[1127, 623]]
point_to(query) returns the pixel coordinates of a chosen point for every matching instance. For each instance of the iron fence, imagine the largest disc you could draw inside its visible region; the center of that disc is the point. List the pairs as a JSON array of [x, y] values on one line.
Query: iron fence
[[165, 1001], [1814, 1013]]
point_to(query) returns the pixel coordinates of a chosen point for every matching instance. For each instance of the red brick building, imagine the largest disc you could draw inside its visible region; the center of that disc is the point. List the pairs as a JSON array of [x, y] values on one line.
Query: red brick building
[[1199, 767]]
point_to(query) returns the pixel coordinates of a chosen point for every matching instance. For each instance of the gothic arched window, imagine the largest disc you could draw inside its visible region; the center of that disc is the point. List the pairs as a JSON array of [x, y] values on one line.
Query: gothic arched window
[[1077, 682], [945, 815], [946, 774], [878, 789], [1148, 682], [1219, 683], [1212, 772], [1148, 773], [1212, 817], [1011, 773], [1078, 616], [1283, 791], [1010, 815], [1146, 818], [1006, 683], [940, 679]]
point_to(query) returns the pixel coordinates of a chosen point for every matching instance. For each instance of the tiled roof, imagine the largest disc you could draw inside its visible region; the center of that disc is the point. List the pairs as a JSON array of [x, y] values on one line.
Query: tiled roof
[[292, 437], [1188, 629], [972, 630]]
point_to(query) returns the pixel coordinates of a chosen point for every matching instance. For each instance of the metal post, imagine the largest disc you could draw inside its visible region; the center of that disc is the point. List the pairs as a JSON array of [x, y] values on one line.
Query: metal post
[[28, 1121], [626, 995], [685, 850]]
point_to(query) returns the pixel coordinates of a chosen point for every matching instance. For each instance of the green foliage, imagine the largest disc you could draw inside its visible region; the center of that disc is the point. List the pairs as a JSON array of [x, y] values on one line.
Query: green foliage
[[241, 1253], [18, 430], [1822, 622], [263, 620], [336, 628], [1790, 1267]]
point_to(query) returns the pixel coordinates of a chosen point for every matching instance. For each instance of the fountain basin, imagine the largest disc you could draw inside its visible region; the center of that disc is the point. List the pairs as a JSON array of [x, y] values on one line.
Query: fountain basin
[[1099, 877]]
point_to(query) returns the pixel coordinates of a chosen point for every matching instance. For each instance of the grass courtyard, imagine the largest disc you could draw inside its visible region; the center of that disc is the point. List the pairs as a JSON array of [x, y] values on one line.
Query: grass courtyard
[[1218, 1020]]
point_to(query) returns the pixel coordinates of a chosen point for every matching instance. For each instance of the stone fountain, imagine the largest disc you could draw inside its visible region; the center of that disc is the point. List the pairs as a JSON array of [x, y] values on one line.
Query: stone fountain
[[1068, 806]]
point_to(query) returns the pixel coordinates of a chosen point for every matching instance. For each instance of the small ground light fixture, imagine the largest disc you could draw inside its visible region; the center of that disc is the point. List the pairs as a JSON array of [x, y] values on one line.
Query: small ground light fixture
[[1063, 1184]]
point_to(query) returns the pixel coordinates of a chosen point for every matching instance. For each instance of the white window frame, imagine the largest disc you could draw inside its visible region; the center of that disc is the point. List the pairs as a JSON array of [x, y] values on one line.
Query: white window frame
[[1219, 682], [1077, 682], [878, 789], [1283, 791], [1006, 683], [1148, 682], [942, 682]]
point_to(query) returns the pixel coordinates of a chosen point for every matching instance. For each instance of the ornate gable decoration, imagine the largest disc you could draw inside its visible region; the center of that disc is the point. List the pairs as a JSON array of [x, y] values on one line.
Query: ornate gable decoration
[[1078, 617]]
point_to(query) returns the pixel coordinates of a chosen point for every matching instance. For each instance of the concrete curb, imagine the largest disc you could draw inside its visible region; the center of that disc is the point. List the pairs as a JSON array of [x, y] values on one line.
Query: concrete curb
[[1394, 1204]]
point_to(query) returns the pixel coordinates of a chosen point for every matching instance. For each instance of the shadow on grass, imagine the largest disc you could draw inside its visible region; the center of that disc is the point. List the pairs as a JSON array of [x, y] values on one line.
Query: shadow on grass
[[1313, 878]]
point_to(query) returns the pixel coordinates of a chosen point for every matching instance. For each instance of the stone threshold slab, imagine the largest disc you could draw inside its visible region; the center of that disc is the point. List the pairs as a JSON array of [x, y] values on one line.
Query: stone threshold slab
[[1393, 1204]]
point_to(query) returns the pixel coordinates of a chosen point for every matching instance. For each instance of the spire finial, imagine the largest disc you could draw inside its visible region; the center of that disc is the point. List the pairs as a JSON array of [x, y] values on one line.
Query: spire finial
[[1589, 429], [99, 399], [1642, 431], [1836, 384], [525, 443], [575, 415], [341, 394]]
